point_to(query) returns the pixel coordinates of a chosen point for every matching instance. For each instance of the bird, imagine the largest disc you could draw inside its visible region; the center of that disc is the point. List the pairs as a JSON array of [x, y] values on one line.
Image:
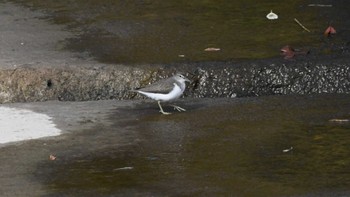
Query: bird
[[166, 90]]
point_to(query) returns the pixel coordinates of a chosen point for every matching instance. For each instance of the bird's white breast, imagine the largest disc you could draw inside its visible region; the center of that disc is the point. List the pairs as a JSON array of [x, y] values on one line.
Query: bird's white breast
[[175, 93]]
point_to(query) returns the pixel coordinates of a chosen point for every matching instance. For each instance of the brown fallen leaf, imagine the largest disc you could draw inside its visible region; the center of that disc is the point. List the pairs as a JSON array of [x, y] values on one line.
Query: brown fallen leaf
[[212, 49], [288, 52], [52, 157]]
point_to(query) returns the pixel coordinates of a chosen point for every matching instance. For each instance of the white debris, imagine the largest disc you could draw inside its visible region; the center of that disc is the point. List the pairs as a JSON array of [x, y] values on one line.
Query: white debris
[[288, 149], [211, 49], [320, 5], [124, 168], [272, 16], [339, 120]]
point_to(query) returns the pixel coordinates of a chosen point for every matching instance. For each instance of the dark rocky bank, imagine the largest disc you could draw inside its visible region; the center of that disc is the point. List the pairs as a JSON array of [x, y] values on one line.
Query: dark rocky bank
[[209, 79], [34, 67]]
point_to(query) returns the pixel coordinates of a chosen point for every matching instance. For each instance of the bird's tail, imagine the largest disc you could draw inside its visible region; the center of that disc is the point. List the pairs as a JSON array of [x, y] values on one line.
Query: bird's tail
[[133, 91]]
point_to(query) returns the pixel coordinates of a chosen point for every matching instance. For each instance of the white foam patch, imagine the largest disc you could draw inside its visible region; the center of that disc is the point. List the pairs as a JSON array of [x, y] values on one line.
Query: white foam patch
[[21, 124]]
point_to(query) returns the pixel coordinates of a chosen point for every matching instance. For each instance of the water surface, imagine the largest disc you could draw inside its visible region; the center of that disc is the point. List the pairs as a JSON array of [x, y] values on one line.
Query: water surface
[[179, 31], [267, 146]]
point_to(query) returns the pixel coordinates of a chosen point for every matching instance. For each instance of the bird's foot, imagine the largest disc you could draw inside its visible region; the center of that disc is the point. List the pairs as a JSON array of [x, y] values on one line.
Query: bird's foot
[[161, 109], [165, 113], [180, 109]]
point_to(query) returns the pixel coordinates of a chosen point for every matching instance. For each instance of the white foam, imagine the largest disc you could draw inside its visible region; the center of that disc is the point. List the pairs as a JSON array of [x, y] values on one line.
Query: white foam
[[20, 124]]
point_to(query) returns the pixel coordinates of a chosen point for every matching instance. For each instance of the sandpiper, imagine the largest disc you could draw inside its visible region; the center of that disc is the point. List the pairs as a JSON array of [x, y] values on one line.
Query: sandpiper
[[166, 90]]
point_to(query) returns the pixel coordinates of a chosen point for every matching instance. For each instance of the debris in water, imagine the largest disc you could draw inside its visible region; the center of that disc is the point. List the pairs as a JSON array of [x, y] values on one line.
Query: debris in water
[[330, 31], [287, 150], [272, 16], [339, 120], [288, 52], [124, 168], [320, 5], [181, 55], [212, 49], [52, 157], [301, 25]]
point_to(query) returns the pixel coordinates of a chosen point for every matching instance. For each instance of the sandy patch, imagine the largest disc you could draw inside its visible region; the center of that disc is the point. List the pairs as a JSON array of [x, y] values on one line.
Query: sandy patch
[[20, 124]]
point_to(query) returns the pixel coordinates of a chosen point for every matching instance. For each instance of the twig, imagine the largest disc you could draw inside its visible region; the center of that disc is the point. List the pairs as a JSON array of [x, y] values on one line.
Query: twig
[[319, 5], [301, 25]]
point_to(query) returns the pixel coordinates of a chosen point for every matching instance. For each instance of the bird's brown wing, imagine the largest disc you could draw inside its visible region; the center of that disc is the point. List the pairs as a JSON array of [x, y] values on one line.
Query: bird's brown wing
[[162, 86]]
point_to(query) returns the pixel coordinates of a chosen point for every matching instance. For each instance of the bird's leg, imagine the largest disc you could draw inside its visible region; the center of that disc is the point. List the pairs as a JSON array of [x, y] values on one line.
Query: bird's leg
[[180, 109], [161, 109]]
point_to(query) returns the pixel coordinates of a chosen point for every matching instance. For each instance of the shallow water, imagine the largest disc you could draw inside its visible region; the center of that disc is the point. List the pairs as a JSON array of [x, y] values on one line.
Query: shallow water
[[179, 31], [267, 146]]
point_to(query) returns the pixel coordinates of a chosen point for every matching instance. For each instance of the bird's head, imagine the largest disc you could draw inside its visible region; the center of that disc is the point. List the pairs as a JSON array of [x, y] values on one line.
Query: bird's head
[[181, 77]]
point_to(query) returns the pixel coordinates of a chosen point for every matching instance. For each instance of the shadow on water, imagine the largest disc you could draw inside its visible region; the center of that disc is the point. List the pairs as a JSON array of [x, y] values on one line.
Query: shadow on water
[[267, 146], [177, 31]]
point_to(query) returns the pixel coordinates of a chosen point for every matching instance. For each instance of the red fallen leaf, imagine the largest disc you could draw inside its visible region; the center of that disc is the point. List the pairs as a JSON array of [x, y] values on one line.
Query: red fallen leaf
[[288, 52], [330, 30]]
